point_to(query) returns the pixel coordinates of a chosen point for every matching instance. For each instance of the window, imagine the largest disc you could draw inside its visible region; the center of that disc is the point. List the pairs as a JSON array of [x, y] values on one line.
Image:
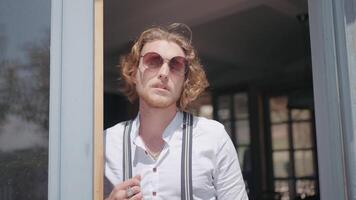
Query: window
[[24, 98], [202, 106], [232, 111], [293, 149]]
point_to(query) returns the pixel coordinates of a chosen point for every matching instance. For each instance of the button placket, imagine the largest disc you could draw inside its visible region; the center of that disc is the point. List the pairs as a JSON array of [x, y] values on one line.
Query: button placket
[[155, 178]]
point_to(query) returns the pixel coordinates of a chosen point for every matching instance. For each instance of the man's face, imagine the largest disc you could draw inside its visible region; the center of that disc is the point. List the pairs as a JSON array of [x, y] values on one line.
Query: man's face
[[162, 87]]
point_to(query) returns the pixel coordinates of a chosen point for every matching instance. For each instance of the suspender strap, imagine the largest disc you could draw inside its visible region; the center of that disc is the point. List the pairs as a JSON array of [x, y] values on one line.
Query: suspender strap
[[127, 164], [186, 162], [186, 159]]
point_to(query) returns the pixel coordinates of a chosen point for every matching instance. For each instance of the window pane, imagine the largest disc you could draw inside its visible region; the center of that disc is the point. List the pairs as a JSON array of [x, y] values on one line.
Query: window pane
[[280, 136], [24, 98], [242, 132], [302, 135], [305, 188], [300, 114], [206, 111], [241, 106], [224, 107], [278, 109], [227, 126], [304, 163], [244, 158], [281, 164], [282, 187], [200, 107]]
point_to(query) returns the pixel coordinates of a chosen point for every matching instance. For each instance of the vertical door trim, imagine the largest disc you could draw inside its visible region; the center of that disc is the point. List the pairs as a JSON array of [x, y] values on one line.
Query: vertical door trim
[[71, 100], [54, 150], [333, 29], [98, 100]]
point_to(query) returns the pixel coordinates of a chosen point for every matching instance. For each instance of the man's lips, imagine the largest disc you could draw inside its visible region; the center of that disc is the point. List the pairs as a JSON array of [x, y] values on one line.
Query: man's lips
[[161, 86]]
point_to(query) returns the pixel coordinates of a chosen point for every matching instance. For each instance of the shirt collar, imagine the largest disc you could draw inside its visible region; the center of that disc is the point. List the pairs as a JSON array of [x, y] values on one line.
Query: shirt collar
[[172, 127], [168, 132]]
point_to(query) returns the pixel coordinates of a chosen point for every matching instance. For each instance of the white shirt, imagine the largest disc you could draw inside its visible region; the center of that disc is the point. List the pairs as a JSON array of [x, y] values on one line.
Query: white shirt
[[216, 172]]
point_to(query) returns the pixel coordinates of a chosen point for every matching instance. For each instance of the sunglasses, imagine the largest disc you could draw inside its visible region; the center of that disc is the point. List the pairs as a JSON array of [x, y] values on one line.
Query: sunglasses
[[177, 65]]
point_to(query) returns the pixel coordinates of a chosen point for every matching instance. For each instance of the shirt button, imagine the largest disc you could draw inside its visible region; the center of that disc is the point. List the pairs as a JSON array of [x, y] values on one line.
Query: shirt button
[[154, 169], [154, 193]]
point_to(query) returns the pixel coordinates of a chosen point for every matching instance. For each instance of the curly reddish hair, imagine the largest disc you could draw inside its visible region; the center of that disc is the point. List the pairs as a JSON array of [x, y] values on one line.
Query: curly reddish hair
[[195, 79]]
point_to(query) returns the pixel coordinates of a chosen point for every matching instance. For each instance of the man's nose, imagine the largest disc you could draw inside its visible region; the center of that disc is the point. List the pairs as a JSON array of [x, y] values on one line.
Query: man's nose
[[164, 71]]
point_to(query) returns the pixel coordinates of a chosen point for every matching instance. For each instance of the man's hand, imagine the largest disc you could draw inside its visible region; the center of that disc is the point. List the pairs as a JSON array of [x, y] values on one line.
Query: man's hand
[[120, 191]]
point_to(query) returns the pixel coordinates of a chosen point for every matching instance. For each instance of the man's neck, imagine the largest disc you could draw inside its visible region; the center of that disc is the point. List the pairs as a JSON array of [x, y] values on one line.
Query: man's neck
[[153, 121]]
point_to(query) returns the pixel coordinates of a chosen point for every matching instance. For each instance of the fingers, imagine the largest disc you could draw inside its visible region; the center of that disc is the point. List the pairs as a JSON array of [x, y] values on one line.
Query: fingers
[[117, 195], [135, 181], [136, 189], [137, 177], [120, 191], [137, 196]]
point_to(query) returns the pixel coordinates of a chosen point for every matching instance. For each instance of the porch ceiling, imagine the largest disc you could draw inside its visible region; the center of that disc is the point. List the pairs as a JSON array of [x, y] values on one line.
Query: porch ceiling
[[237, 40]]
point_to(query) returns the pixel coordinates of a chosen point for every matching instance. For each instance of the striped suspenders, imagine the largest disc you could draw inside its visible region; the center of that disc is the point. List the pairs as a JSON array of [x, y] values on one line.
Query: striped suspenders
[[186, 162], [127, 164], [186, 159]]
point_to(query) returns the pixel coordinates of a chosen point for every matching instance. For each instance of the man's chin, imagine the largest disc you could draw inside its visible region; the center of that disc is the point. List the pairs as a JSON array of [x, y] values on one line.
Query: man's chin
[[159, 102]]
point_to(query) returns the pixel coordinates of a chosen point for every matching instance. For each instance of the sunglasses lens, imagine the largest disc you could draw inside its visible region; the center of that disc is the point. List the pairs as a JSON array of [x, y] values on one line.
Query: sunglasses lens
[[178, 64], [152, 60]]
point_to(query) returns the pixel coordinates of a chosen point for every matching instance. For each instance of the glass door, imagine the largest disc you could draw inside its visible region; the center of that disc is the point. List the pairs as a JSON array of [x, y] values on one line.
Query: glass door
[[232, 111], [24, 98], [293, 149]]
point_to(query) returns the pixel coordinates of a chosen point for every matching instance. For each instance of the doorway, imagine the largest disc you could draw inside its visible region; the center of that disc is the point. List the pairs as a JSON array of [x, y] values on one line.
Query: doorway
[[251, 50]]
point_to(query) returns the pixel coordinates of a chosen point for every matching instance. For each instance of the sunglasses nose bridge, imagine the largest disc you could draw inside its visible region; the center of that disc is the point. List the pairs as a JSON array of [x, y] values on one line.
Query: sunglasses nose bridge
[[164, 69]]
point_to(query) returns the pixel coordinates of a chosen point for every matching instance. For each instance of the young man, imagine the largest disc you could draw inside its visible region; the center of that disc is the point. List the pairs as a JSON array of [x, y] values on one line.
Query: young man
[[165, 153]]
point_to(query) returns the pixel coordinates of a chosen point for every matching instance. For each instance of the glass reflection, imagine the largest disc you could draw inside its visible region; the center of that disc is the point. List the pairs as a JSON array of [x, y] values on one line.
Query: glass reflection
[[24, 98], [282, 187], [300, 114], [280, 136], [278, 109], [306, 188], [281, 164], [227, 126], [242, 132], [304, 163], [302, 135], [224, 108], [241, 106], [241, 152]]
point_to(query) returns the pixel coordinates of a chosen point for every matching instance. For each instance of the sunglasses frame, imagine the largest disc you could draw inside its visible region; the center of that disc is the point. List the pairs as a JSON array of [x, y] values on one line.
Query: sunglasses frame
[[165, 60]]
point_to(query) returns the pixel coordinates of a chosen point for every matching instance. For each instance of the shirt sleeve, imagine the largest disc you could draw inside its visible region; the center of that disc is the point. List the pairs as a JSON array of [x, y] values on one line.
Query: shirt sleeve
[[113, 155], [228, 179]]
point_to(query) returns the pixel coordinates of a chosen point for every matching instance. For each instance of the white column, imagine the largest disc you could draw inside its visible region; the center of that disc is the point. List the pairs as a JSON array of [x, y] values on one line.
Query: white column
[[345, 11], [332, 29], [71, 100]]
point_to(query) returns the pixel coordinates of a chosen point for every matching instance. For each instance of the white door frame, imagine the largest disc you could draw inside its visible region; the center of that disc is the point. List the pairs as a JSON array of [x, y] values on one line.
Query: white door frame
[[71, 100], [333, 43]]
